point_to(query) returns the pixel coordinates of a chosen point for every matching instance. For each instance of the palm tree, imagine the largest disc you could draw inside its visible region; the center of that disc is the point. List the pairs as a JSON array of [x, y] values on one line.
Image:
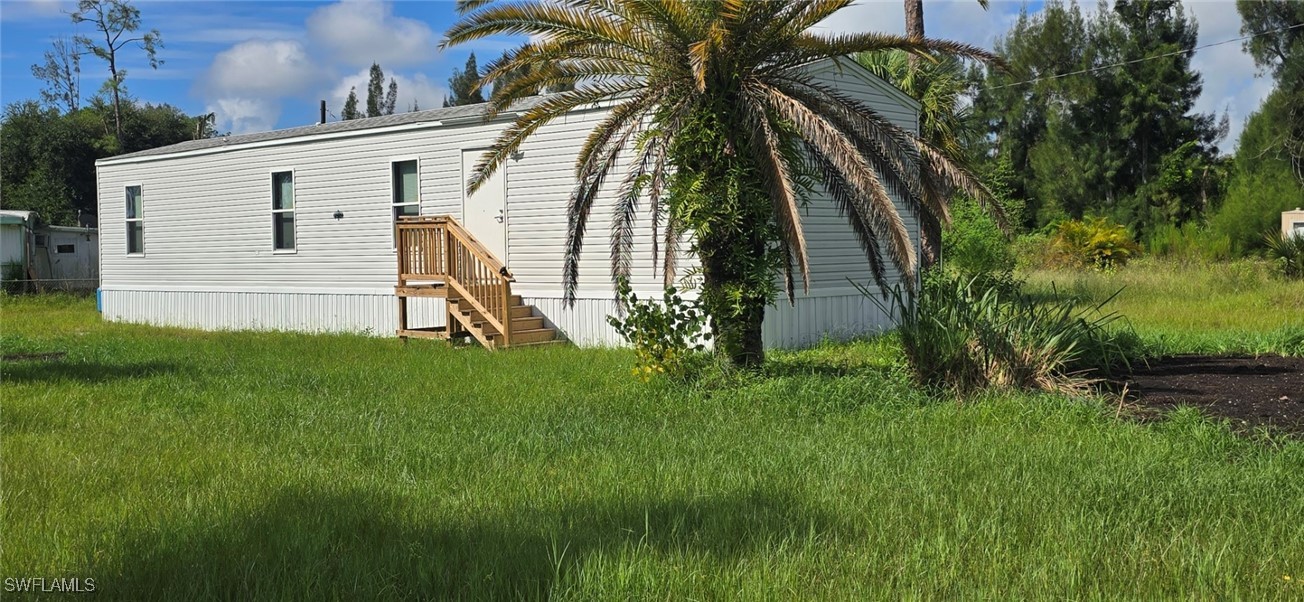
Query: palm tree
[[727, 133]]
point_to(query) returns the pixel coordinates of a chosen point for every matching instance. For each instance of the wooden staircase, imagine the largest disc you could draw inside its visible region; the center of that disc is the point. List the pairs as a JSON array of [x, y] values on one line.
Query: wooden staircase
[[437, 257]]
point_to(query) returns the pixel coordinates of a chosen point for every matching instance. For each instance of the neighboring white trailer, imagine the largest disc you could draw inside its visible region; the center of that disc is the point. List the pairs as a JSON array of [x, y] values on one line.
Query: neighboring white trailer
[[294, 229], [48, 257], [1292, 223]]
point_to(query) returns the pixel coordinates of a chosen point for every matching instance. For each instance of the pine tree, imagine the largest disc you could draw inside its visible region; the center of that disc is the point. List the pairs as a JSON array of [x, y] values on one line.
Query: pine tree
[[391, 97], [462, 83], [351, 106], [376, 92], [117, 21]]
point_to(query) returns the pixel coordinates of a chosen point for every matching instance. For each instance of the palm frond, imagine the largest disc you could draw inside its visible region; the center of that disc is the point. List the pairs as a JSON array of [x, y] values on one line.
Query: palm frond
[[871, 196], [542, 19], [810, 47], [848, 203], [778, 180], [510, 140], [637, 181]]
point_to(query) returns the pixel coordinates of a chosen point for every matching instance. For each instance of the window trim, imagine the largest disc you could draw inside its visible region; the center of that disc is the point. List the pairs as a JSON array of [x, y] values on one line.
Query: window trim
[[126, 221], [393, 217], [293, 210]]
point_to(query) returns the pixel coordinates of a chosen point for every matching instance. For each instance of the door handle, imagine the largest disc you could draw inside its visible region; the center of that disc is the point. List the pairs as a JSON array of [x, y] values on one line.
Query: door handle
[[499, 218]]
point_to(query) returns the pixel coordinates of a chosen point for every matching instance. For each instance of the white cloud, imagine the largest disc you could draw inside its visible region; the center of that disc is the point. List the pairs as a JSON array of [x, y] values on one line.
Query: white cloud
[[244, 115], [248, 84], [245, 83], [360, 32], [262, 68], [962, 20], [31, 10]]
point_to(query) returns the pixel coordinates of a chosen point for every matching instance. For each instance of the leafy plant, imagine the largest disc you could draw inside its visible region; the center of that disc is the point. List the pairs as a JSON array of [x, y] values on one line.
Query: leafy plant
[[665, 335], [958, 334], [1287, 252], [1093, 242]]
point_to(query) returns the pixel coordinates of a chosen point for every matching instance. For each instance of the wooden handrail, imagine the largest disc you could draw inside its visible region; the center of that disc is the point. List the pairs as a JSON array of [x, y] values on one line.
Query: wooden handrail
[[482, 254], [439, 248]]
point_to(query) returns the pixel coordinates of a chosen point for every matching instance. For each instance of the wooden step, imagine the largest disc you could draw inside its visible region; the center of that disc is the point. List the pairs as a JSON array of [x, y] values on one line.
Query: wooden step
[[518, 324], [531, 323], [525, 337], [518, 312], [436, 332]]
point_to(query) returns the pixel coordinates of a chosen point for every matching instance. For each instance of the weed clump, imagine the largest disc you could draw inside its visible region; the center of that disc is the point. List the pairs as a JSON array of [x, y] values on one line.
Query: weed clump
[[965, 335]]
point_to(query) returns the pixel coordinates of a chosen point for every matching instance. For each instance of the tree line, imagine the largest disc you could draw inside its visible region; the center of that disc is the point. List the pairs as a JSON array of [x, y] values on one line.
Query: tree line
[[1118, 137]]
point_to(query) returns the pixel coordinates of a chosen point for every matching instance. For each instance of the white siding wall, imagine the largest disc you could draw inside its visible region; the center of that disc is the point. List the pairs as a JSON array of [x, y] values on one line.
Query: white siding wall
[[76, 270], [374, 314], [209, 263], [12, 243]]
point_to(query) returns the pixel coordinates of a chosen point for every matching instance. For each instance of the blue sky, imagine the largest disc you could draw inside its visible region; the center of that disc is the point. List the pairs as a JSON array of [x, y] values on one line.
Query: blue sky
[[262, 65]]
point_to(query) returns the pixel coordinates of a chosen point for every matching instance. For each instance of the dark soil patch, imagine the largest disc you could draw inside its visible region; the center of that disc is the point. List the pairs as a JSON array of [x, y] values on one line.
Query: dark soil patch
[[1248, 391]]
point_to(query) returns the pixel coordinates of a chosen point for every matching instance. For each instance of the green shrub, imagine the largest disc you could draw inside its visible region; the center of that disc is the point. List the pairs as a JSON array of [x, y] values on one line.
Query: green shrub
[[974, 245], [1262, 182], [1253, 206], [961, 336], [1287, 252], [1031, 251], [666, 336], [1189, 242], [1092, 242]]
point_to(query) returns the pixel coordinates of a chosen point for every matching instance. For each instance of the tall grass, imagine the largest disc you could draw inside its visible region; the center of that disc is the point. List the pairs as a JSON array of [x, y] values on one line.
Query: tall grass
[[1178, 307], [173, 464], [1191, 242]]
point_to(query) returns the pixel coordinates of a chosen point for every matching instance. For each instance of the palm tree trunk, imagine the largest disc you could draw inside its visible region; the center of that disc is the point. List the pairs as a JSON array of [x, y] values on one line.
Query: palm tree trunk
[[914, 24], [737, 332], [930, 229]]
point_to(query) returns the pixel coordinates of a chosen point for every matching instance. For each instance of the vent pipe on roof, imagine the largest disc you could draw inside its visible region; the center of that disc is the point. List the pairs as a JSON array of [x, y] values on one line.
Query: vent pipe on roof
[[323, 113]]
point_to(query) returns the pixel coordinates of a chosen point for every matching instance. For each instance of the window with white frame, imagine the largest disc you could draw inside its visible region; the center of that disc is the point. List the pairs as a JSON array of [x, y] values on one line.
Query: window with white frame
[[135, 221], [283, 211], [407, 199]]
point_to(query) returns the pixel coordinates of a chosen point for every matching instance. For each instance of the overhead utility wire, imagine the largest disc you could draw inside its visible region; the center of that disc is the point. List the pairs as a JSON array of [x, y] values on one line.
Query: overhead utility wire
[[1142, 60]]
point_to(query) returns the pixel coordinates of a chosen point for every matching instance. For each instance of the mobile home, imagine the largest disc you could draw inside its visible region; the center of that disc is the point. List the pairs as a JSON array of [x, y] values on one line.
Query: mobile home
[[360, 225]]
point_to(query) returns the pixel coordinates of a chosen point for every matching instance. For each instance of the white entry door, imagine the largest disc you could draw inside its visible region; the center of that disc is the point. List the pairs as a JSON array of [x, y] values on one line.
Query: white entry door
[[485, 212]]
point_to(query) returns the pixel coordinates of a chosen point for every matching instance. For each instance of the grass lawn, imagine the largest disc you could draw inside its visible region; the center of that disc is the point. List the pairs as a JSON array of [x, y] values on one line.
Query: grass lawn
[[175, 464]]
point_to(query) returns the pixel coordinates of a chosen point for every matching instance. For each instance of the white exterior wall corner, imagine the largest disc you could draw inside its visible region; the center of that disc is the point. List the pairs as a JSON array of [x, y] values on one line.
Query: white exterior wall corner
[[208, 261]]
